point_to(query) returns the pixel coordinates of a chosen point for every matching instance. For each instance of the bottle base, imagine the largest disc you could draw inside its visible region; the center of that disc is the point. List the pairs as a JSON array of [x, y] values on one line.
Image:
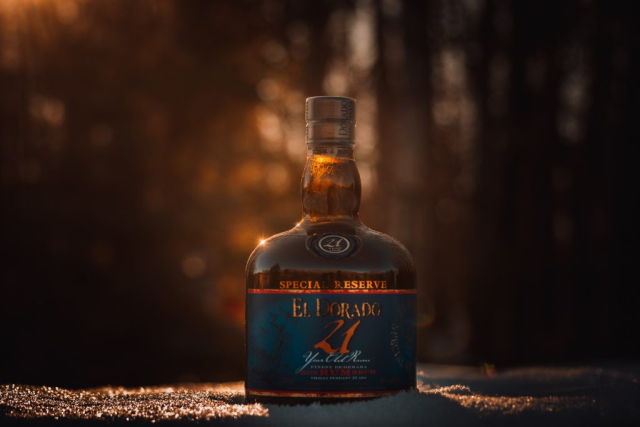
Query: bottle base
[[322, 398]]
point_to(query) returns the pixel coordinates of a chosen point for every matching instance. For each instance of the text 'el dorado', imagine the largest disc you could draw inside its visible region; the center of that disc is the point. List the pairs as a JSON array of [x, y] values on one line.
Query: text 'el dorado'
[[325, 308]]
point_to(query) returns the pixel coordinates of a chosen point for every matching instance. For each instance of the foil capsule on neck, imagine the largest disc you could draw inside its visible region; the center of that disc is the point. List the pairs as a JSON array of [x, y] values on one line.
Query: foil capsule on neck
[[330, 119]]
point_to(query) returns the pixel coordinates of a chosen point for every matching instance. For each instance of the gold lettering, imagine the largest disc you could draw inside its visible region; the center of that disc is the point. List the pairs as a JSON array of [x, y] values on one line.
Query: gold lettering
[[366, 309], [282, 285], [376, 309], [356, 310], [319, 312], [325, 307], [297, 307], [300, 308], [335, 311], [344, 309]]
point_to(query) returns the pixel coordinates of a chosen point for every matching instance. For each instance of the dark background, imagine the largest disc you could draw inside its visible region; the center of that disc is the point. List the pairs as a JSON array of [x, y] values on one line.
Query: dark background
[[146, 147]]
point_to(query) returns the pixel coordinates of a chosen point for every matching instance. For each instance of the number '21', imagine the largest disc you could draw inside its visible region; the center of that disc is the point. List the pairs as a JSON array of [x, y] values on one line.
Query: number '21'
[[324, 344]]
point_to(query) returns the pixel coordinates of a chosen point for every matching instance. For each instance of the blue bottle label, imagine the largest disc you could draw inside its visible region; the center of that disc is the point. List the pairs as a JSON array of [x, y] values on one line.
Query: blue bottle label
[[330, 343]]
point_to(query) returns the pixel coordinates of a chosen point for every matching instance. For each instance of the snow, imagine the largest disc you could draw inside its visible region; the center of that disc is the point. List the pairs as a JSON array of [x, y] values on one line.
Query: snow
[[604, 394]]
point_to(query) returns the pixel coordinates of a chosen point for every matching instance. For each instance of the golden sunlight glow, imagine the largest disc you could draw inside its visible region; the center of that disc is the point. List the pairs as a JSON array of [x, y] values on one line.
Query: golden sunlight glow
[[23, 5], [262, 241]]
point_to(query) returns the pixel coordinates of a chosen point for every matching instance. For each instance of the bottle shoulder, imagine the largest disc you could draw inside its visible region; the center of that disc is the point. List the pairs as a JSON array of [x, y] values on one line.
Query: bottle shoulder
[[293, 251]]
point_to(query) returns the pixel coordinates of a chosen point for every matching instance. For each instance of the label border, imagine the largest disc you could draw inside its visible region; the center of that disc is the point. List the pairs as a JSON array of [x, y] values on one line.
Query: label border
[[332, 291], [329, 394]]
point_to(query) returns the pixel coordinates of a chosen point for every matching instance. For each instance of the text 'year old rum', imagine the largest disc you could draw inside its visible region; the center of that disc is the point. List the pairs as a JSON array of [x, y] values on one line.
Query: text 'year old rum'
[[331, 304]]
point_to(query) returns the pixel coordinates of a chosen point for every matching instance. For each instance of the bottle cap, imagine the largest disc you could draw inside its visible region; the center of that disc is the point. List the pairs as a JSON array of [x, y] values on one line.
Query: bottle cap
[[330, 119]]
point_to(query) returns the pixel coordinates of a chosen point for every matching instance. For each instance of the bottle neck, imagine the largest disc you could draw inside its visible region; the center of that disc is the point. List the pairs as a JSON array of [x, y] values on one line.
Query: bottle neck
[[330, 184]]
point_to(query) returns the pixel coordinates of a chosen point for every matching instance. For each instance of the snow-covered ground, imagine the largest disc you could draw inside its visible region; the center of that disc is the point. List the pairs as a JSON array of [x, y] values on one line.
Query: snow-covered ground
[[604, 394]]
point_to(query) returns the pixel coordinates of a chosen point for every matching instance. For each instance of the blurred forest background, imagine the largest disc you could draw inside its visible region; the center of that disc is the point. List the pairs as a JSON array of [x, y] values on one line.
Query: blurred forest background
[[146, 146]]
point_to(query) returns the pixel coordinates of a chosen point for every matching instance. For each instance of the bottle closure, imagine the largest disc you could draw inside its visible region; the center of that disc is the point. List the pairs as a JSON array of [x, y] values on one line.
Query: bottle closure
[[330, 119]]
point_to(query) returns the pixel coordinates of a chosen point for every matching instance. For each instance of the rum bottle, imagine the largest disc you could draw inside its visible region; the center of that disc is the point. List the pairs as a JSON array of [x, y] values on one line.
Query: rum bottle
[[331, 303]]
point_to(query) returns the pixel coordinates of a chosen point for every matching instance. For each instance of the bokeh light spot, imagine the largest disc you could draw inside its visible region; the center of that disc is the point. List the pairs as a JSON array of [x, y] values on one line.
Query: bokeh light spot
[[193, 266]]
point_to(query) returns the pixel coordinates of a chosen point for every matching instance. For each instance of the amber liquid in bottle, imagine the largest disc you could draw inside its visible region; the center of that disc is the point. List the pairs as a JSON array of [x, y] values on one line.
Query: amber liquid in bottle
[[331, 304]]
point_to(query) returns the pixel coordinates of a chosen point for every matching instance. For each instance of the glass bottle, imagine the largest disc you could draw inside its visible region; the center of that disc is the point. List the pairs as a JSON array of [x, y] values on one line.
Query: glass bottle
[[330, 304]]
